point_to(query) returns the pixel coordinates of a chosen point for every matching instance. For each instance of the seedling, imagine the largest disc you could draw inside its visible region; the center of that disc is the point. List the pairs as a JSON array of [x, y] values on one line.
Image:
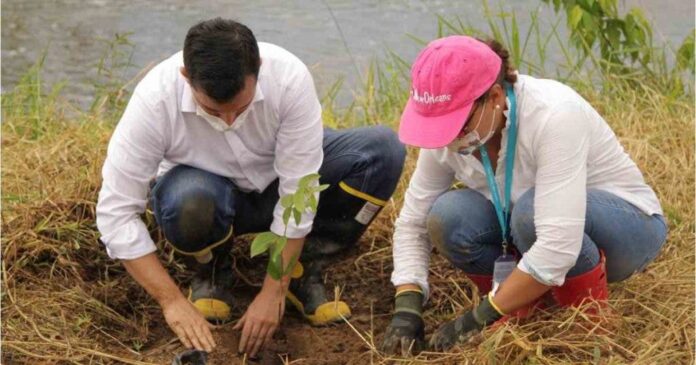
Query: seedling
[[294, 205]]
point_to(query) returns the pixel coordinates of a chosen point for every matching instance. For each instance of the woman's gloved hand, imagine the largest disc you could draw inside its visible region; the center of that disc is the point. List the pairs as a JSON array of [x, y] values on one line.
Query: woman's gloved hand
[[405, 334], [466, 326]]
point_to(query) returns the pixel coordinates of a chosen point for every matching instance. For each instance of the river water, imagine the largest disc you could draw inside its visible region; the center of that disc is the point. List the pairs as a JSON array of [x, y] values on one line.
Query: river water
[[72, 33]]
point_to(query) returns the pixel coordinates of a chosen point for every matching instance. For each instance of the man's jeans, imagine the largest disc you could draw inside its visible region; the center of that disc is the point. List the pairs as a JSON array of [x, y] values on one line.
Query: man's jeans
[[463, 226], [196, 209]]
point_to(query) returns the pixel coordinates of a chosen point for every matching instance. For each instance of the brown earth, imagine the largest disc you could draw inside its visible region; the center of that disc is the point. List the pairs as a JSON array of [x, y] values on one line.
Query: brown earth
[[367, 290]]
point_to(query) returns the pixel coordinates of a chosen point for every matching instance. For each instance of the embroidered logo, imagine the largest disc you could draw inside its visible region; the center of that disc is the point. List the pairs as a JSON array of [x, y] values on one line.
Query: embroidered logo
[[427, 98]]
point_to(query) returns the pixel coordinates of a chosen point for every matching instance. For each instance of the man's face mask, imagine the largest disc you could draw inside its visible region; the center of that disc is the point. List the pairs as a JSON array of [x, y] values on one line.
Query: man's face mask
[[468, 143], [217, 122]]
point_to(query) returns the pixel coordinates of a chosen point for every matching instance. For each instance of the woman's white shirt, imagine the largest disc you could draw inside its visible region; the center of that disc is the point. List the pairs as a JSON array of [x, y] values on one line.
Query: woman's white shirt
[[564, 148]]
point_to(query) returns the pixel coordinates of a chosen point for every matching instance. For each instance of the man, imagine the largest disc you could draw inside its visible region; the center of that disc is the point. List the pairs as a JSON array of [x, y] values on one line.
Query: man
[[226, 127]]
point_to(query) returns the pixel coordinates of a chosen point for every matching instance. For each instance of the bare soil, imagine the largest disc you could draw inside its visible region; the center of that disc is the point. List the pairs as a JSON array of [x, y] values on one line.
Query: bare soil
[[368, 294]]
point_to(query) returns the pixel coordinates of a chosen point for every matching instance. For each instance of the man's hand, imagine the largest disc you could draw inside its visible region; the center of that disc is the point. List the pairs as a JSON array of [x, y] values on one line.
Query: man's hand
[[188, 324], [466, 326], [182, 317], [405, 334], [262, 318]]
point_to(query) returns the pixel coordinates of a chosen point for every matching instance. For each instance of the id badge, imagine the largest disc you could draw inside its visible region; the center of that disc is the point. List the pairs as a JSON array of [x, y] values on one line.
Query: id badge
[[502, 268]]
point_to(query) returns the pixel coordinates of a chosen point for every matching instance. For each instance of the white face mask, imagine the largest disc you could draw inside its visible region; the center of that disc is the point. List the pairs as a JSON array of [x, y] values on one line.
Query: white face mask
[[218, 123], [467, 144]]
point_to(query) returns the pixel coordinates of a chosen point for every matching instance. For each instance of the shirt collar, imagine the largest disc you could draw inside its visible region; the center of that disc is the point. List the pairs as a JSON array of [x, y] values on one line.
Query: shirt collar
[[188, 103]]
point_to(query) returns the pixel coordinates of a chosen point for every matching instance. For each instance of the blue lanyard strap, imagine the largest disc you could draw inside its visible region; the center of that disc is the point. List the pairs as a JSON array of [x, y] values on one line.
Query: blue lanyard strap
[[503, 210]]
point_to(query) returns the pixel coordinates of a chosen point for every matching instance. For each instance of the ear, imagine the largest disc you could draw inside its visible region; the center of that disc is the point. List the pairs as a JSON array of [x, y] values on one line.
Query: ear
[[184, 73], [497, 95]]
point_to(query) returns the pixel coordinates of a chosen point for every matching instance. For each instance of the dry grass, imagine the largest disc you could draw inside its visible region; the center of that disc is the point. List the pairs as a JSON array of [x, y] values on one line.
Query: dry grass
[[65, 302]]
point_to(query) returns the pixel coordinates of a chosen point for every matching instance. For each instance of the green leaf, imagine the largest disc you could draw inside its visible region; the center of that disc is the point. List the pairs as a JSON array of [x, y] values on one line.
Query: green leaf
[[589, 3], [321, 188], [313, 203], [261, 242], [274, 267], [298, 216], [685, 54], [614, 34], [516, 51], [278, 246], [556, 5], [286, 201], [608, 6], [575, 17], [299, 200], [307, 179], [286, 215]]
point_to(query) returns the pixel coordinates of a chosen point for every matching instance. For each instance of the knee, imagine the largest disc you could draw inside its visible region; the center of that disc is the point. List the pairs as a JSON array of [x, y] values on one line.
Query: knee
[[461, 224], [192, 213], [438, 223], [522, 221], [442, 222], [457, 248], [389, 152]]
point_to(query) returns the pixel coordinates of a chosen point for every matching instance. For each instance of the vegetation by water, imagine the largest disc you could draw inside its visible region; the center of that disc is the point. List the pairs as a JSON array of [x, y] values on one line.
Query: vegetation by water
[[64, 301]]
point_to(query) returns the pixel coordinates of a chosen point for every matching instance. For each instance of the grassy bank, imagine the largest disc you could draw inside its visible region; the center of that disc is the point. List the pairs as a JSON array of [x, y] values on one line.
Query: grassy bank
[[65, 302]]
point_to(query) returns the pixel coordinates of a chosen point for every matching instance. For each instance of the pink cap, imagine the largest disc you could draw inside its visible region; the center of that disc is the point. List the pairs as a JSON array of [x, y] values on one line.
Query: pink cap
[[446, 79]]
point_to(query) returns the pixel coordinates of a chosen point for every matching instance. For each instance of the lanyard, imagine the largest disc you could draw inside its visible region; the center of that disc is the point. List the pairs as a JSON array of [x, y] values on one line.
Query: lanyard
[[503, 210]]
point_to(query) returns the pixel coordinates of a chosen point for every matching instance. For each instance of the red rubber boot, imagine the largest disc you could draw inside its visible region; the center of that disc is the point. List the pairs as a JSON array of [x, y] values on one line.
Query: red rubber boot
[[484, 283], [590, 286]]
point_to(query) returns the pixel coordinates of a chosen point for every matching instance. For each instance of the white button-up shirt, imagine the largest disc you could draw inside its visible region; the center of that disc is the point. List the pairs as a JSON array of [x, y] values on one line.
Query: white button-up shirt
[[280, 137], [564, 148]]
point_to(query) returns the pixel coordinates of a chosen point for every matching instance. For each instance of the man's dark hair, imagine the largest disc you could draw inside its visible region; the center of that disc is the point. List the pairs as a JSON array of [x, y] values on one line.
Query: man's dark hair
[[218, 55]]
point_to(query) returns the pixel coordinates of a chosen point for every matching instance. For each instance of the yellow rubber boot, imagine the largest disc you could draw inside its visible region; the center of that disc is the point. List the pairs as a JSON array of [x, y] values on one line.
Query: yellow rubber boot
[[211, 290], [308, 295]]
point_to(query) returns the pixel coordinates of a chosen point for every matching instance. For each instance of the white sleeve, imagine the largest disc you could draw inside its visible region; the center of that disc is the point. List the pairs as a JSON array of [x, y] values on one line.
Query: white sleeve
[[135, 150], [560, 150], [412, 245], [298, 149]]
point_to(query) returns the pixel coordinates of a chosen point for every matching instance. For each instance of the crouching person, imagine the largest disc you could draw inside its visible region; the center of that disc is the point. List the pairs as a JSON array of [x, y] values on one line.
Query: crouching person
[[224, 128], [545, 175]]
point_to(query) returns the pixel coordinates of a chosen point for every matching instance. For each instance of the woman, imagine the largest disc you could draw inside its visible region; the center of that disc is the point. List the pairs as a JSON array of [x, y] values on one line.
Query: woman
[[581, 212]]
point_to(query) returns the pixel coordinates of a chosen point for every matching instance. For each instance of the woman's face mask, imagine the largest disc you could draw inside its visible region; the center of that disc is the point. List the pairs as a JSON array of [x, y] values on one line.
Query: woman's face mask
[[468, 143]]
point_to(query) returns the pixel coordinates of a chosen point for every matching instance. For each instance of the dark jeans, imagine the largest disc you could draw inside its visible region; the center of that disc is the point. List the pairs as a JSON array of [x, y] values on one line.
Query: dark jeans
[[196, 209], [467, 232]]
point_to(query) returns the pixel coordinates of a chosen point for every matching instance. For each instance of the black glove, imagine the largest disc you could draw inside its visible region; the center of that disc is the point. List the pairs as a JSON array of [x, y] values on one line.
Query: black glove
[[405, 334], [466, 326]]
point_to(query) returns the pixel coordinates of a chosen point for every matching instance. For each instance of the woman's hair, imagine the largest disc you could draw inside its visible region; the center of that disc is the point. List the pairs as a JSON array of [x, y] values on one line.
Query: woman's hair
[[508, 73]]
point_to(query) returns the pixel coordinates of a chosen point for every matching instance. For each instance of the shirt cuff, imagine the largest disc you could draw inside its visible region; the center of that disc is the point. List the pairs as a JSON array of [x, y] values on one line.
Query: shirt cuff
[[129, 242], [546, 278]]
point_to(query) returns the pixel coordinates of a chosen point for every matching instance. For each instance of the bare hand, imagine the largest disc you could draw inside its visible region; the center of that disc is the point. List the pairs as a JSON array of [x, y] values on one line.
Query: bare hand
[[261, 320], [189, 324]]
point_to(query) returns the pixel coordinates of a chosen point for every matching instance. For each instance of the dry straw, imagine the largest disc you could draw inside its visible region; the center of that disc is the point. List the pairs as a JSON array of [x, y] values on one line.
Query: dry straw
[[65, 302]]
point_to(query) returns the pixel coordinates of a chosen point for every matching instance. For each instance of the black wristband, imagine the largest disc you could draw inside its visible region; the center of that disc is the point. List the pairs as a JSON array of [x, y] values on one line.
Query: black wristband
[[485, 313], [410, 302]]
